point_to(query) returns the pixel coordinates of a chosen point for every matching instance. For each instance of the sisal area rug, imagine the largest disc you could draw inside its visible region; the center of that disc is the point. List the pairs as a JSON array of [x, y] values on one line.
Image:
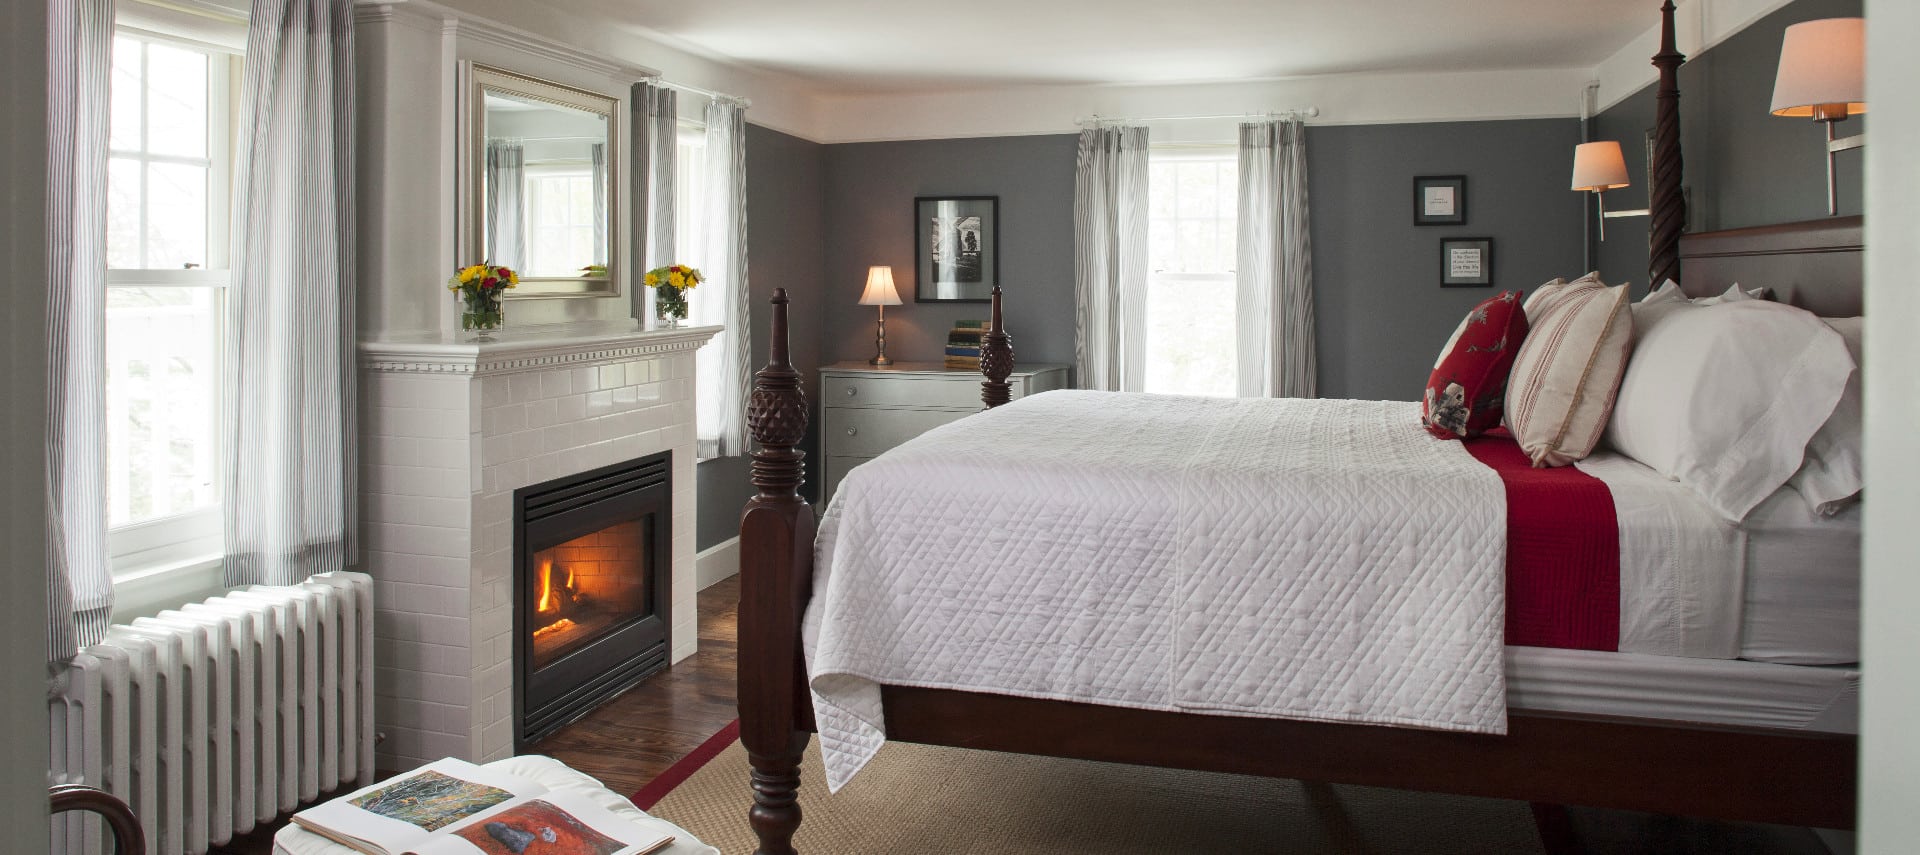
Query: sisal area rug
[[917, 799]]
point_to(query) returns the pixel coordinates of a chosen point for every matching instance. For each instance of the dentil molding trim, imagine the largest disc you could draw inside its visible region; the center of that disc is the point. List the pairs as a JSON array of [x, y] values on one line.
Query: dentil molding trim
[[537, 354]]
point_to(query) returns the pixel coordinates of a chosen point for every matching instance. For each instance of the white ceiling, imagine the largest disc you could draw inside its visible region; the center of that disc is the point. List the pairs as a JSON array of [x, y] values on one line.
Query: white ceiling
[[871, 46]]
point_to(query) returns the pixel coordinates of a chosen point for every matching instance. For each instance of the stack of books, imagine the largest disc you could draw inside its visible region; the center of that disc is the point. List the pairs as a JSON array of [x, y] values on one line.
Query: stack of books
[[963, 344]]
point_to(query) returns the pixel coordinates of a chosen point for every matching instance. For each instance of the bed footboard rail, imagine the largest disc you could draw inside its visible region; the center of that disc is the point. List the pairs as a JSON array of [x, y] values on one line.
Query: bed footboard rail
[[776, 577]]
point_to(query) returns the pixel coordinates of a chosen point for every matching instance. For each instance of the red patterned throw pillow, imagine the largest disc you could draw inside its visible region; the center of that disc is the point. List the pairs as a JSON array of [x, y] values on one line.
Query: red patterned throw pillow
[[1466, 393]]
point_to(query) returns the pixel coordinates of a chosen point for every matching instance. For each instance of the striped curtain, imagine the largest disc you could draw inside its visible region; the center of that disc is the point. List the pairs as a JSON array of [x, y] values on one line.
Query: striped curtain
[[720, 428], [290, 479], [506, 201], [1274, 279], [656, 129], [80, 582], [1110, 259]]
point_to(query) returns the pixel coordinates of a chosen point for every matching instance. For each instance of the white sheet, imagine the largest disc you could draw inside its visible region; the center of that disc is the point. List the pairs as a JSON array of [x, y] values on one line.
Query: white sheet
[[1803, 584], [1277, 557], [1681, 564], [1709, 691]]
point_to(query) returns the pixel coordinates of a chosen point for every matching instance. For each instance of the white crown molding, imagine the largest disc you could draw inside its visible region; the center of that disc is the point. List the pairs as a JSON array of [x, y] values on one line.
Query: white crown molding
[[1698, 26], [457, 24], [441, 357]]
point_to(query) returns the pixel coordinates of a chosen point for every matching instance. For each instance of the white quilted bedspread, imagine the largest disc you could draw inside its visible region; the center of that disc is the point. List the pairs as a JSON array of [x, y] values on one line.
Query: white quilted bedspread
[[1310, 559]]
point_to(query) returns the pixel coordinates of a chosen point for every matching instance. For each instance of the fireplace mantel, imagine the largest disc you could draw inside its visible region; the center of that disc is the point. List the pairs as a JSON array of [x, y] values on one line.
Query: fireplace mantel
[[449, 430], [535, 350]]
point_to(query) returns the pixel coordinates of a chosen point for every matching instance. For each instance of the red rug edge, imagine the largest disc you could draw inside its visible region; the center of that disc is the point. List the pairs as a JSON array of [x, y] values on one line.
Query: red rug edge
[[678, 773]]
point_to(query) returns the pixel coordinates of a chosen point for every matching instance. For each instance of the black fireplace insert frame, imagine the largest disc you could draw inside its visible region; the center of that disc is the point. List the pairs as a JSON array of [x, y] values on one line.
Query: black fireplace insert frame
[[546, 699]]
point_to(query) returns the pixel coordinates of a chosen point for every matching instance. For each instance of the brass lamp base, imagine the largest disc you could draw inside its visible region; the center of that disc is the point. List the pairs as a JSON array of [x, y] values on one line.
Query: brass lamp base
[[880, 341]]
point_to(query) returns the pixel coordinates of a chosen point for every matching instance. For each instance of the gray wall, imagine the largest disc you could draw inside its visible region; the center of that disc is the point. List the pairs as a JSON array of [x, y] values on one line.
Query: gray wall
[[1744, 165], [870, 192], [23, 234], [1380, 314], [786, 179]]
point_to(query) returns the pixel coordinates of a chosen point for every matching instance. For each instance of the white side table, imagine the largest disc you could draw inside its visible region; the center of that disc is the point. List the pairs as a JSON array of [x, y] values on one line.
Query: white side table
[[549, 773]]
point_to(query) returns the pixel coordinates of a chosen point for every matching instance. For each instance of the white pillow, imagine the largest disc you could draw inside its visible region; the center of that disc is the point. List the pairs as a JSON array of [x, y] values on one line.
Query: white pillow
[[1831, 477], [1568, 367], [1669, 291], [1537, 301], [1724, 398]]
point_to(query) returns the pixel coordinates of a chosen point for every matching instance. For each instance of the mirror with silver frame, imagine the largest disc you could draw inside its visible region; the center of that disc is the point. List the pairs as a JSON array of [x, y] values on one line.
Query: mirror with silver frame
[[540, 190]]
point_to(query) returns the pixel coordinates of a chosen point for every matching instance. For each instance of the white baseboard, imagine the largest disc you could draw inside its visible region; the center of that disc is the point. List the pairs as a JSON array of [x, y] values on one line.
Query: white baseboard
[[717, 563]]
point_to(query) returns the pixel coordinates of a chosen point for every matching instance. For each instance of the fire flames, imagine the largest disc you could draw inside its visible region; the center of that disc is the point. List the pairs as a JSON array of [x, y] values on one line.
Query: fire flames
[[555, 601]]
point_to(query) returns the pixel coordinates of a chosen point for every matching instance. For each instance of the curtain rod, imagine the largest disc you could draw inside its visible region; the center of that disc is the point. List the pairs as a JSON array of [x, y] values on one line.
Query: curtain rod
[[1303, 113], [717, 96]]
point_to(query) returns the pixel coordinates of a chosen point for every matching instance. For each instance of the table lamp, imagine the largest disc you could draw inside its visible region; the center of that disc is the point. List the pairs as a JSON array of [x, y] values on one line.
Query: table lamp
[[880, 292]]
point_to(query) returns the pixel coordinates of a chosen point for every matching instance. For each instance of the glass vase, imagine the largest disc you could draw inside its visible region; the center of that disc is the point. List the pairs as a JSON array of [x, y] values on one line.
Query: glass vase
[[669, 306], [483, 314]]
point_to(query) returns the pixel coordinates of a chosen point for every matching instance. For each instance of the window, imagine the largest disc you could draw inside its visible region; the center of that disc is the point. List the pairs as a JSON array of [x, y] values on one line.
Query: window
[[1192, 198], [168, 181], [560, 219], [691, 246]]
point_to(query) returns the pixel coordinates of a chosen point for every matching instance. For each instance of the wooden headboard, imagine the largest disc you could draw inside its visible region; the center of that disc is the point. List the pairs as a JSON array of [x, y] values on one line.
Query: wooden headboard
[[1816, 265]]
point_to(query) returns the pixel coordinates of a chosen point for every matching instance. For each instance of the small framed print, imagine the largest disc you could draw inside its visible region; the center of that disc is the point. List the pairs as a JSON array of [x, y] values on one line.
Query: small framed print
[[1466, 262], [1440, 200], [957, 244]]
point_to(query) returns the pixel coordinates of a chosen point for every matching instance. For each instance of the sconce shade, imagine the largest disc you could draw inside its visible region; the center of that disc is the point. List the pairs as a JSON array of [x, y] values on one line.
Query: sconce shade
[[1599, 166], [1822, 62], [880, 291]]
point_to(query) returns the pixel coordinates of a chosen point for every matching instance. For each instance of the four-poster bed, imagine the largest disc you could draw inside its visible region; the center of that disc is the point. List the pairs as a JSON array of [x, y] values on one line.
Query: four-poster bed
[[1668, 766]]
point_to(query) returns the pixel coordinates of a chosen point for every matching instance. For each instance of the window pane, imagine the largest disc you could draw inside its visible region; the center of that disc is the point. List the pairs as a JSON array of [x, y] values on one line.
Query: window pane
[[123, 212], [176, 101], [162, 389], [176, 215], [1190, 336], [124, 122]]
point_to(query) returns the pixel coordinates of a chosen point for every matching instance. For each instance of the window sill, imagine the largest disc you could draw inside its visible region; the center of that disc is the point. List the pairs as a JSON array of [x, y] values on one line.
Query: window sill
[[148, 590]]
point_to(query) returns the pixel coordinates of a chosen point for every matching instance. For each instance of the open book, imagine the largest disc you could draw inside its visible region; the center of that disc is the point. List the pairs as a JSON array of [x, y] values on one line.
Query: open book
[[452, 807]]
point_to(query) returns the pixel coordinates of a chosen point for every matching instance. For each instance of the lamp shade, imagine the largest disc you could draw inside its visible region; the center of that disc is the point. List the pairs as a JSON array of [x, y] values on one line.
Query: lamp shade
[[1599, 166], [880, 290], [1822, 62]]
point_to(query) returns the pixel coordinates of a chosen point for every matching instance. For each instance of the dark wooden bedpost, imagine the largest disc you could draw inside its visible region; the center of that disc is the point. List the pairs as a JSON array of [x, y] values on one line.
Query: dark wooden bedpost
[[1668, 207], [996, 358], [776, 574]]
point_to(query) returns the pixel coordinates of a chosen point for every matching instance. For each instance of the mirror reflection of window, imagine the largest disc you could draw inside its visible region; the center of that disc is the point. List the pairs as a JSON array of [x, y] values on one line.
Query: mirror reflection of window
[[546, 188]]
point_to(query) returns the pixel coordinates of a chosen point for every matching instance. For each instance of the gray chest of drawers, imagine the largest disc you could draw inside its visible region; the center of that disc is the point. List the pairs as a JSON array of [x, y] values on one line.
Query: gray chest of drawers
[[866, 410]]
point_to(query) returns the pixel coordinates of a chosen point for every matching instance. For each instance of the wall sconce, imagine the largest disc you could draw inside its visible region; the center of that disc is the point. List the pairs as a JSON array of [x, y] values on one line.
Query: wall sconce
[[1599, 167], [1823, 69], [880, 292]]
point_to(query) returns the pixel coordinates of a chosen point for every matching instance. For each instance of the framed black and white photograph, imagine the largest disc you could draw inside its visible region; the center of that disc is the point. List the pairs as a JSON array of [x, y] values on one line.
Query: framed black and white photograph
[[956, 247], [1466, 262], [1440, 200]]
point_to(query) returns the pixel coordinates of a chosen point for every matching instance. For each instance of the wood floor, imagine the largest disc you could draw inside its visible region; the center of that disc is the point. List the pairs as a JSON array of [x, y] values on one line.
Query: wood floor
[[636, 736]]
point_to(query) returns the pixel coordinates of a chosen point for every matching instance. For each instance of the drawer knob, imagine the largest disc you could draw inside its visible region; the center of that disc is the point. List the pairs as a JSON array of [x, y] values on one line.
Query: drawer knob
[[852, 431], [852, 391]]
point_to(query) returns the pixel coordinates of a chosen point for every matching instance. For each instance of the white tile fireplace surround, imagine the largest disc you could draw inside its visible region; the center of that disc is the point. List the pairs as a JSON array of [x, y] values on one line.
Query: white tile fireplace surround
[[450, 430]]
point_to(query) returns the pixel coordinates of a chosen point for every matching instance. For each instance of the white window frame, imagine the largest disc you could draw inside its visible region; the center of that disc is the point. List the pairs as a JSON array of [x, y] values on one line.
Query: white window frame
[[1157, 277], [529, 216], [189, 541], [690, 222]]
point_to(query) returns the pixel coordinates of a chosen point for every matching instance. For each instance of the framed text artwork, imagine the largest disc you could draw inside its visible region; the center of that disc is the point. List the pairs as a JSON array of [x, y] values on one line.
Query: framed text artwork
[[1440, 200], [956, 248], [1466, 262]]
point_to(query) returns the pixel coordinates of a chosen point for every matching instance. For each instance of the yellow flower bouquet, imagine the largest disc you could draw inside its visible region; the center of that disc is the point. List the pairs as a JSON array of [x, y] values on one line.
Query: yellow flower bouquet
[[670, 285], [479, 288]]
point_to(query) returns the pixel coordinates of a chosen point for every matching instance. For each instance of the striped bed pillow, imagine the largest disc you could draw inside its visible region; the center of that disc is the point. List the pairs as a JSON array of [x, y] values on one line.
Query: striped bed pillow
[[1564, 379]]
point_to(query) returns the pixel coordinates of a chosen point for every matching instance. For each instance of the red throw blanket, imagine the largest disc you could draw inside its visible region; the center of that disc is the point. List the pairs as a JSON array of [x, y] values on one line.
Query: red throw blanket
[[1563, 551]]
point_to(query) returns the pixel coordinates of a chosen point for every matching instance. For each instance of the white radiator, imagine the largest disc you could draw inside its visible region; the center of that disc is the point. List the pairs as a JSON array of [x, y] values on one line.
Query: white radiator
[[219, 715]]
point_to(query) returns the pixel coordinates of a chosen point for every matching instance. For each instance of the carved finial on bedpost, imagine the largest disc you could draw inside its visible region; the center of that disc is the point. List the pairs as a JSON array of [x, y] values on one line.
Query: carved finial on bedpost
[[776, 574], [777, 416], [996, 358], [1668, 207]]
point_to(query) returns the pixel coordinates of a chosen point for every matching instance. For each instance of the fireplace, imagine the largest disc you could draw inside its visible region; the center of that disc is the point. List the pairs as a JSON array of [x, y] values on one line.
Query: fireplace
[[592, 572]]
